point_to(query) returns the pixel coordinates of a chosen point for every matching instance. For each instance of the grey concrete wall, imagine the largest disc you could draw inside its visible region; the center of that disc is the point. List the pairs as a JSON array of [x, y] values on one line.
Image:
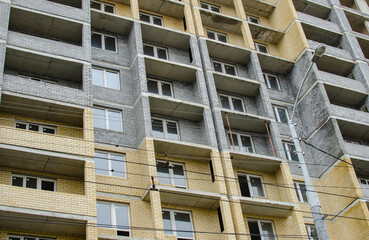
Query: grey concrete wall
[[329, 50], [350, 44], [142, 120], [4, 19], [57, 9], [315, 21]]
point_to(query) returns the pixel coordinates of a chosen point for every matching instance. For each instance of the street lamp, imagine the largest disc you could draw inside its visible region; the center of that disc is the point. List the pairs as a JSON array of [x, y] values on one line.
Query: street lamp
[[310, 192]]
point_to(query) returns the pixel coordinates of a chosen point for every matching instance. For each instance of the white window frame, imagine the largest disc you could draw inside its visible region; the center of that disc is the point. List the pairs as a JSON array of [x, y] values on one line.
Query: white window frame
[[39, 181], [223, 67], [259, 221], [287, 150], [249, 183], [171, 174], [216, 35], [54, 82], [239, 141], [21, 237], [173, 222], [103, 35], [40, 126], [105, 85], [308, 230], [156, 51], [106, 117], [258, 45], [151, 17], [102, 6], [165, 128], [276, 113], [269, 86], [209, 7], [299, 191], [158, 82], [230, 102], [252, 18], [109, 160], [113, 216], [361, 180]]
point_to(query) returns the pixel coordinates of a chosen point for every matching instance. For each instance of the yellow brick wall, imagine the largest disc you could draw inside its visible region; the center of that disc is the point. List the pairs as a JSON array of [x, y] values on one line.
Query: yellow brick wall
[[121, 9], [70, 140], [4, 232]]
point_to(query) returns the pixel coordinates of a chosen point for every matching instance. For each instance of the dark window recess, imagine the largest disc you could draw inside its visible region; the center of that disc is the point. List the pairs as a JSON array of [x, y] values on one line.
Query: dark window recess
[[254, 231], [190, 54], [212, 171], [123, 233], [244, 186], [220, 219], [184, 23]]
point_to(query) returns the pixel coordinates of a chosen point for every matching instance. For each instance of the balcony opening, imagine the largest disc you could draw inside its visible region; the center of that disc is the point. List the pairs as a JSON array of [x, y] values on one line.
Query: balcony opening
[[44, 69], [349, 4], [364, 45], [336, 66], [71, 3], [312, 9], [354, 133], [45, 26], [357, 23], [322, 36], [345, 97]]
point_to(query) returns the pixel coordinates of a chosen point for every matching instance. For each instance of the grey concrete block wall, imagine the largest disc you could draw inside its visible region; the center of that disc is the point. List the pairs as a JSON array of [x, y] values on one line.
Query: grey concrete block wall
[[2, 61], [4, 19]]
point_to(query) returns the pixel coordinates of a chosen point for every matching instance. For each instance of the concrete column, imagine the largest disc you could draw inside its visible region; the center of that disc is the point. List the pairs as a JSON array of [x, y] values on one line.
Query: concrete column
[[88, 133], [189, 20], [218, 171], [350, 43], [362, 6], [338, 16], [247, 37], [361, 73], [240, 226], [135, 9], [239, 9]]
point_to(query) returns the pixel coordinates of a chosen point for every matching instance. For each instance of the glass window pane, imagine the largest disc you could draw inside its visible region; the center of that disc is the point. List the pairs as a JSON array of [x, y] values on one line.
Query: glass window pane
[[163, 172], [157, 21], [21, 125], [33, 127], [267, 231], [183, 223], [204, 6], [99, 118], [148, 50], [96, 40], [172, 130], [48, 130], [225, 102], [256, 187], [237, 104], [244, 186], [246, 144], [115, 120], [152, 86], [31, 182], [211, 35], [95, 5], [293, 153], [273, 82], [47, 185], [121, 213], [230, 70], [144, 18], [215, 9], [17, 181], [217, 67], [222, 38], [303, 192], [109, 9], [98, 77], [166, 89], [235, 142], [162, 53], [101, 163], [263, 49], [103, 215], [179, 177], [157, 128], [282, 115], [117, 166], [167, 223], [112, 80], [109, 43], [254, 230]]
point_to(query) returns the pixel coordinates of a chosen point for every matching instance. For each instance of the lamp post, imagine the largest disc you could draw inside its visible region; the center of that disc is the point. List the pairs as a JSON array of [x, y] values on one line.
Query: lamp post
[[311, 194]]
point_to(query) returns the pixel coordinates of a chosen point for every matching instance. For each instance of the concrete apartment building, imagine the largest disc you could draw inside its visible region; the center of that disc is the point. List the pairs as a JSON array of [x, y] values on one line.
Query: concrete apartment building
[[167, 119]]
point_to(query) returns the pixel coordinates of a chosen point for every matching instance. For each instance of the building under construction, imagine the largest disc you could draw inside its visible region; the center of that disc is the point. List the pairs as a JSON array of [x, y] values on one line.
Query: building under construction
[[168, 119]]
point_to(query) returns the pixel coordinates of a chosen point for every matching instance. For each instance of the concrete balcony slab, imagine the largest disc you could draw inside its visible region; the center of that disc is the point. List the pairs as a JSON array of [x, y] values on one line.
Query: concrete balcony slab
[[177, 148], [228, 52], [274, 64], [220, 21], [255, 162], [234, 84], [170, 8], [260, 8], [185, 197], [265, 34], [110, 22]]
